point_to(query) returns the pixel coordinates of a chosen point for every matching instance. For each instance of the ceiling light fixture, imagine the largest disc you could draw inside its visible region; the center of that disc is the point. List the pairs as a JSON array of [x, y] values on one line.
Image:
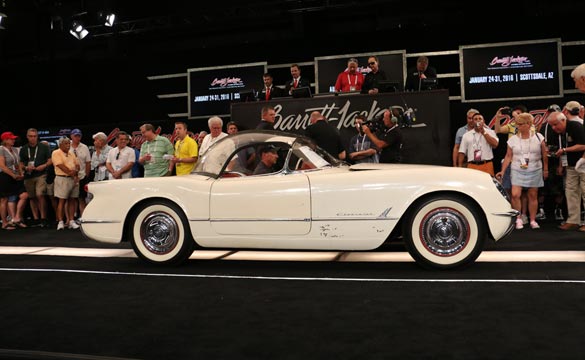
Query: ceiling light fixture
[[2, 20], [77, 30], [110, 18]]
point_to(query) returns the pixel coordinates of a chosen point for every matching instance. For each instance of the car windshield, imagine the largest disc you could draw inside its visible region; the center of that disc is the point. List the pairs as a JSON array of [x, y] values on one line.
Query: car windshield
[[295, 153]]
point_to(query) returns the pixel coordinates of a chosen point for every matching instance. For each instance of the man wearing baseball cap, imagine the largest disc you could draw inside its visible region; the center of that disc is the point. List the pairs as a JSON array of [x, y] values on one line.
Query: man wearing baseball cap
[[81, 150], [574, 111], [459, 135]]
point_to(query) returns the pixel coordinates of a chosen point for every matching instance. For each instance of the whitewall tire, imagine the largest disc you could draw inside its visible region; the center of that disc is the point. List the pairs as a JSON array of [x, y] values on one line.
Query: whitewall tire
[[445, 232], [159, 233]]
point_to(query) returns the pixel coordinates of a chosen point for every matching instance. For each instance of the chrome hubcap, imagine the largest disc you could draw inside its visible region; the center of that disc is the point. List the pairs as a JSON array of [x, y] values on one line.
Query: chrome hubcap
[[444, 232], [159, 233]]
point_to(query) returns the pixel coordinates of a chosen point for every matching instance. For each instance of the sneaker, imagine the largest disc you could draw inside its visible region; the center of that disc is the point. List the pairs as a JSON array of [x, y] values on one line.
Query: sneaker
[[534, 225], [524, 219], [73, 225], [35, 223], [519, 224], [60, 225], [559, 214], [540, 215]]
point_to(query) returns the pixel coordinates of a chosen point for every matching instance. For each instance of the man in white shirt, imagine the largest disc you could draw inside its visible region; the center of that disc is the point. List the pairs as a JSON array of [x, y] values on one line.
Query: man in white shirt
[[215, 124], [121, 159], [478, 145]]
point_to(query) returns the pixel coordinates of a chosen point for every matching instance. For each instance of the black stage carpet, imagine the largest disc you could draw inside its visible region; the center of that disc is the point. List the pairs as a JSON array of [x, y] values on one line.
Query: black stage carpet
[[54, 307]]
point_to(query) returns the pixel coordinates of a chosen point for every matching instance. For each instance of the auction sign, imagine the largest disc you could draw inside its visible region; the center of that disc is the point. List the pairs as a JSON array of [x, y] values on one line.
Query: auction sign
[[213, 89], [511, 71]]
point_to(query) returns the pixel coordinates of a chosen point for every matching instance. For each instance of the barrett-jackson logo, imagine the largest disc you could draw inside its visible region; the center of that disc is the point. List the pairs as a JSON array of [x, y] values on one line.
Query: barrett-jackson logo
[[341, 114], [510, 61], [229, 82]]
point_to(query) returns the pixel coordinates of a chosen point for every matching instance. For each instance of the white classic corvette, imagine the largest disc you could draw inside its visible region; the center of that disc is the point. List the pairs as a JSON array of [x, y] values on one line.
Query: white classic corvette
[[310, 201]]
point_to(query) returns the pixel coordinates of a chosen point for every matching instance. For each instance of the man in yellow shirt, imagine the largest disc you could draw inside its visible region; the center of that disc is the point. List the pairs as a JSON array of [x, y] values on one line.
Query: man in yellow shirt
[[186, 151]]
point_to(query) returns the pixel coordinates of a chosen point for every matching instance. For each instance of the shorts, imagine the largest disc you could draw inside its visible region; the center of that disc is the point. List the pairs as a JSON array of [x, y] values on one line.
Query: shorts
[[8, 185], [65, 187], [19, 190], [51, 189], [36, 186]]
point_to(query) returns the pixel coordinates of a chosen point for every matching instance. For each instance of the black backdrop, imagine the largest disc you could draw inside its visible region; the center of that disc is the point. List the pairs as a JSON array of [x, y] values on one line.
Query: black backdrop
[[426, 142]]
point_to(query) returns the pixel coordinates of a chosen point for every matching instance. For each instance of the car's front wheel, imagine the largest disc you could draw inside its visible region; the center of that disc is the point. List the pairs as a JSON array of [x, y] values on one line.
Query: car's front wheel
[[444, 232], [159, 233]]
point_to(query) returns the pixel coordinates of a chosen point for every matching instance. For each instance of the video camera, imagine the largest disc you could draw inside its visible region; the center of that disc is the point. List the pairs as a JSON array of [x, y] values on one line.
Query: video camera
[[376, 123], [554, 108]]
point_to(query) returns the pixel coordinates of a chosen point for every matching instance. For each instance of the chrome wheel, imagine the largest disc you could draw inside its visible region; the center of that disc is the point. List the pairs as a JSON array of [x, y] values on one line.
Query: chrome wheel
[[159, 233], [444, 231]]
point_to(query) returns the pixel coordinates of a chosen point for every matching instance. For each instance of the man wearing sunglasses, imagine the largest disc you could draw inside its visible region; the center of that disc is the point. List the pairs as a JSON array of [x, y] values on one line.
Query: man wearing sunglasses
[[120, 160], [371, 82]]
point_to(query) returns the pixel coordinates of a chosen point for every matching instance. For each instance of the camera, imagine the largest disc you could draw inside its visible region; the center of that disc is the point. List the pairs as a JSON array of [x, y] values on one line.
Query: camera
[[376, 123], [554, 108], [506, 111], [552, 150]]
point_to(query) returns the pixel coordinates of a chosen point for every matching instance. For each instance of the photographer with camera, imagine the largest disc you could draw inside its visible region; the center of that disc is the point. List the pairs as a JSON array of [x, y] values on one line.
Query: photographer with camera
[[553, 184], [477, 145], [571, 140], [384, 132]]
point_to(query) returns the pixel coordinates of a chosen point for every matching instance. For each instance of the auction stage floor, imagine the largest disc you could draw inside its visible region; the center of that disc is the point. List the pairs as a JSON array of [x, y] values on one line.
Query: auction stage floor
[[63, 296]]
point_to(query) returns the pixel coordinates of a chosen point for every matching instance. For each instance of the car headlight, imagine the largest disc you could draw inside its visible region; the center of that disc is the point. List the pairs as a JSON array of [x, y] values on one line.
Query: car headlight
[[501, 189]]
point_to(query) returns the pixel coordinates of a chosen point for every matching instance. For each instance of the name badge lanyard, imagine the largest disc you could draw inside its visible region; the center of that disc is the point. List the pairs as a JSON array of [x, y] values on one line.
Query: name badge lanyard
[[349, 80], [34, 157]]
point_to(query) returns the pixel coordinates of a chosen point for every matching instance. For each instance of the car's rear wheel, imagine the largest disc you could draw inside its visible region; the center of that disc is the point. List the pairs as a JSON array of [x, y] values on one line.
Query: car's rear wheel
[[444, 232], [159, 233]]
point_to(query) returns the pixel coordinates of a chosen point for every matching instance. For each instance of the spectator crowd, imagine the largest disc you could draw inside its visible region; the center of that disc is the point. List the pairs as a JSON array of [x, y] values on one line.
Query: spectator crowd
[[541, 162]]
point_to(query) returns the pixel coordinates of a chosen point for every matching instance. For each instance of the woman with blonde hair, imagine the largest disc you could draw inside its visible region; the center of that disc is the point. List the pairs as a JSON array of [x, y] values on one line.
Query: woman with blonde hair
[[526, 155]]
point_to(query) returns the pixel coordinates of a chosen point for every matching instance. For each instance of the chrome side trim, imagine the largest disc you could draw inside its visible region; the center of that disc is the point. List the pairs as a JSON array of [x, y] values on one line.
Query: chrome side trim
[[255, 220], [302, 220], [356, 219], [89, 221], [510, 213]]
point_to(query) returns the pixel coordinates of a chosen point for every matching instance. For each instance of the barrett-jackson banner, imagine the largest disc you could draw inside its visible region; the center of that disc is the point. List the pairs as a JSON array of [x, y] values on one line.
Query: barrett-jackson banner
[[424, 117]]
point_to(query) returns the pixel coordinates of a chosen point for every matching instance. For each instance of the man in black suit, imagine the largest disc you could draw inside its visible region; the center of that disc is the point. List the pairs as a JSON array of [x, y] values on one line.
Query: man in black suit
[[269, 91], [325, 135], [296, 81], [415, 79]]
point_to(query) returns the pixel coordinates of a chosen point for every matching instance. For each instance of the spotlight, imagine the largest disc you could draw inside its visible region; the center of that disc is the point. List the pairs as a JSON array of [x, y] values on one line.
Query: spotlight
[[110, 18], [2, 20], [77, 30]]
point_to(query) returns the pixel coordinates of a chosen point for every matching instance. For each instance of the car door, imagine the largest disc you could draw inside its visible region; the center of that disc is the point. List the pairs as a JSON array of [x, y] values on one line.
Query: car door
[[272, 204]]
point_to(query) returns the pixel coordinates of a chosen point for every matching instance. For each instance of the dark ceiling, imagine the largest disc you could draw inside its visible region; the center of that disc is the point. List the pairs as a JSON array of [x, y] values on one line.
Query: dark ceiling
[[287, 30], [57, 80]]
